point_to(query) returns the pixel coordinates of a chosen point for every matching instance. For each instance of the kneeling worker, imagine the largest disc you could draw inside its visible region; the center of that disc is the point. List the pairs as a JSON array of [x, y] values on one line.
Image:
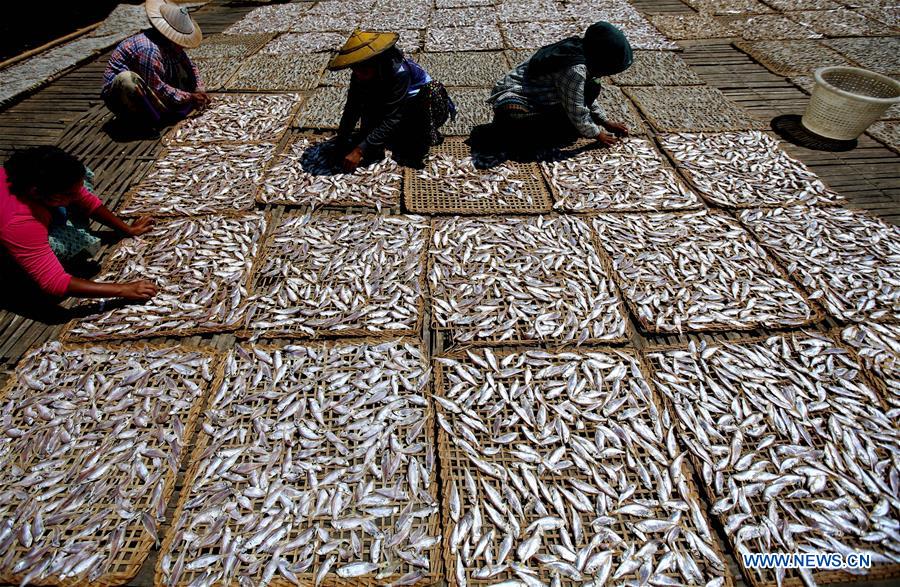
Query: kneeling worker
[[396, 102], [150, 79], [554, 92]]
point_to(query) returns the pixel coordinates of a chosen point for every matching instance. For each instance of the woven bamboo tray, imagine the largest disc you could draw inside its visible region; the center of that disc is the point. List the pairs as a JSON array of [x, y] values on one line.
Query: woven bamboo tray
[[691, 108], [841, 22], [678, 323], [465, 69], [657, 68], [229, 46], [426, 196], [886, 132], [264, 284], [467, 38], [560, 277], [884, 373], [215, 72], [620, 109], [138, 541], [759, 507], [726, 7], [207, 446], [464, 16], [472, 110], [266, 72], [761, 27], [454, 462], [881, 54], [790, 58], [118, 267], [692, 26], [243, 118], [322, 109]]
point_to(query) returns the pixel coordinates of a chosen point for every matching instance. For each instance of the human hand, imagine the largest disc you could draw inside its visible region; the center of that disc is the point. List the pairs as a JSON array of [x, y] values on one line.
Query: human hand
[[138, 291], [141, 226], [201, 99], [606, 140], [617, 128], [351, 161]]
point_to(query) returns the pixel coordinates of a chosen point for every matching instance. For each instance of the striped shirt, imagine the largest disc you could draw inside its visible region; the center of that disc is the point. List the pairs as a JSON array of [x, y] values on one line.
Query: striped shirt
[[561, 88], [164, 67]]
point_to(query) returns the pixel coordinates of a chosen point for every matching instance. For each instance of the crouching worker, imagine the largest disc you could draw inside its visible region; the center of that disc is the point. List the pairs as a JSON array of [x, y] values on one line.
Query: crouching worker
[[553, 94], [150, 80], [395, 101], [44, 208]]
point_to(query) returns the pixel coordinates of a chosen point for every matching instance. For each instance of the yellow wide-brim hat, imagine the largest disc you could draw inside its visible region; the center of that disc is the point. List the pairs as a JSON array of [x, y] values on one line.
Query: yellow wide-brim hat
[[174, 22], [362, 45]]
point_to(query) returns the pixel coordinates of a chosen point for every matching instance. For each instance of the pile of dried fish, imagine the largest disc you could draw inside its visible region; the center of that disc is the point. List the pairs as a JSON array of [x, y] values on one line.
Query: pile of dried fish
[[93, 438], [330, 21], [316, 465], [720, 7], [334, 275], [241, 118], [657, 68], [619, 108], [697, 271], [521, 279], [888, 132], [629, 176], [848, 260], [323, 108], [531, 35], [881, 54], [475, 15], [841, 22], [474, 68], [216, 71], [761, 27], [462, 3], [301, 43], [392, 15], [643, 35], [796, 452], [228, 46], [472, 110], [460, 180], [564, 472], [270, 72], [789, 58], [878, 347], [785, 5], [888, 13], [268, 19], [745, 169], [691, 108], [201, 266], [200, 179], [692, 26], [465, 38], [529, 11], [306, 175]]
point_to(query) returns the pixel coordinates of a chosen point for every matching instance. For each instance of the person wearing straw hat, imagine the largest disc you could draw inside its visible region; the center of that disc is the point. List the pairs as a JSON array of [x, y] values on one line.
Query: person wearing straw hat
[[394, 100], [552, 95], [150, 80]]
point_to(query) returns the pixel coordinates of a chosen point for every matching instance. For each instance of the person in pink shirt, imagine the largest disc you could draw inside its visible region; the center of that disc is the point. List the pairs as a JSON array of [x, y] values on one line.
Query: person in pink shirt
[[40, 189]]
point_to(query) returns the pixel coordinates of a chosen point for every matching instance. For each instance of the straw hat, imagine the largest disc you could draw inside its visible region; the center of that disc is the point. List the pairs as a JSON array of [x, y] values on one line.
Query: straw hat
[[360, 46], [174, 23]]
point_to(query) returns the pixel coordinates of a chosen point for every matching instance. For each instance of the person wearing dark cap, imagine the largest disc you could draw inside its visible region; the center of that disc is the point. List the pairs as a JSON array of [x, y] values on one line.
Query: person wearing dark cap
[[150, 80], [554, 92], [394, 100]]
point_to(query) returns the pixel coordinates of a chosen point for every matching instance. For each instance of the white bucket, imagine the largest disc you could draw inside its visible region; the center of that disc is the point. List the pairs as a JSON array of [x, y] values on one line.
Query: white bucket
[[846, 100]]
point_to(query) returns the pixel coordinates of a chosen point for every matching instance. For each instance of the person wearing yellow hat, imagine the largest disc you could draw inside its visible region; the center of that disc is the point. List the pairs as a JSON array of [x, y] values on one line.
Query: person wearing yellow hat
[[395, 101], [150, 79]]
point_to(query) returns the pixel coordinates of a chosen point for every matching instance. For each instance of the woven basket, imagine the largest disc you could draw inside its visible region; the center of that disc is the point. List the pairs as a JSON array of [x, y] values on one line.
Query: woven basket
[[846, 100]]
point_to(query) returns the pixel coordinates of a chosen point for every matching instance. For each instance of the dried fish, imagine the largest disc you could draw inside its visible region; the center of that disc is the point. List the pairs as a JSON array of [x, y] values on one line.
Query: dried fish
[[620, 109], [790, 58], [201, 266], [561, 470], [306, 175], [697, 271], [888, 13], [474, 15], [468, 38], [692, 26], [326, 21], [399, 14], [769, 26], [720, 7], [874, 53], [463, 182], [216, 71], [841, 22], [229, 46], [462, 3], [657, 68], [93, 438], [241, 118], [878, 347], [629, 176], [532, 35], [268, 19], [302, 43], [691, 108], [200, 179], [846, 259], [321, 461], [279, 72], [473, 68], [323, 108], [888, 132], [472, 110], [529, 11], [745, 169], [521, 279], [794, 448], [350, 274]]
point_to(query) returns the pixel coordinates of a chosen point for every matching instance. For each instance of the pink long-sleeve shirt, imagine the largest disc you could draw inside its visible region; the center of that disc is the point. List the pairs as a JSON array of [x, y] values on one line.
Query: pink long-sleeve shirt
[[24, 233]]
